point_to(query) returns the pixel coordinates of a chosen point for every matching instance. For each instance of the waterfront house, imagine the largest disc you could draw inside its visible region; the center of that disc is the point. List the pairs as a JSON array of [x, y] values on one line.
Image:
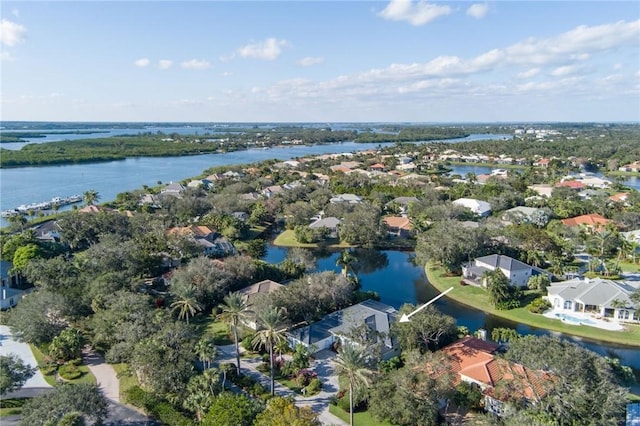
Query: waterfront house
[[174, 189], [399, 226], [518, 273], [330, 223], [478, 207], [336, 327], [473, 361], [603, 298], [253, 291]]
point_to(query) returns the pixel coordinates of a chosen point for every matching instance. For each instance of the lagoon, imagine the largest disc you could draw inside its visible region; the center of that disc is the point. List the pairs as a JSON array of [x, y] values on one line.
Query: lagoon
[[397, 280]]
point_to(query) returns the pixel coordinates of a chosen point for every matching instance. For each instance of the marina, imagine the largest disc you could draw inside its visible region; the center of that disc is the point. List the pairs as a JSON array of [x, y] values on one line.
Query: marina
[[52, 204]]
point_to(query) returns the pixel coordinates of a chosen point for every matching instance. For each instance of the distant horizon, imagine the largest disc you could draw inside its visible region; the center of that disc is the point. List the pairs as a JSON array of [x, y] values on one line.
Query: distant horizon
[[390, 61], [320, 122]]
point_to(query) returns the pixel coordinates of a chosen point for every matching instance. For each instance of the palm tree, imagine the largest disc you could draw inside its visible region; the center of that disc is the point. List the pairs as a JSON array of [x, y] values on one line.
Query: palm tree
[[186, 303], [206, 351], [351, 365], [234, 309], [270, 334], [91, 197], [19, 220], [345, 260]]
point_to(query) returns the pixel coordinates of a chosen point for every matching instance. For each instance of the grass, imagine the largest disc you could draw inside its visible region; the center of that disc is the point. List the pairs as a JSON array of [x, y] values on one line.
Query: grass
[[288, 239], [210, 327], [11, 406], [629, 266], [633, 398], [476, 297], [126, 379], [86, 377], [362, 418]]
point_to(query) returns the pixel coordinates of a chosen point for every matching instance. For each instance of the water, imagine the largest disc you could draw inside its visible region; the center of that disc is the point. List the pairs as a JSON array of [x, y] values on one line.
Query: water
[[397, 280], [28, 185], [570, 318]]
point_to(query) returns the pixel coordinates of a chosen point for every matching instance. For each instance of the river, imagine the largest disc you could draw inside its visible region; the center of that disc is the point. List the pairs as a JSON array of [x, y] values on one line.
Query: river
[[397, 280], [28, 185]]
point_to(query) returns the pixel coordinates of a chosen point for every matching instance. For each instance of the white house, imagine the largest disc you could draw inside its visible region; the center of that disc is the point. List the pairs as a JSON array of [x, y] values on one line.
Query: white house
[[336, 326], [479, 207], [346, 198], [605, 298], [10, 289], [517, 272]]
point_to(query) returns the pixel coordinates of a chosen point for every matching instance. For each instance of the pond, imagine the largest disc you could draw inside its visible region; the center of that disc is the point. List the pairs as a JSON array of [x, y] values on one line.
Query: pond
[[393, 275]]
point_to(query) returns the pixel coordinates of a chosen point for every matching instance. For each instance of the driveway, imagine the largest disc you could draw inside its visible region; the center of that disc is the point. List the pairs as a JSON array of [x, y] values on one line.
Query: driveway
[[322, 365], [9, 345]]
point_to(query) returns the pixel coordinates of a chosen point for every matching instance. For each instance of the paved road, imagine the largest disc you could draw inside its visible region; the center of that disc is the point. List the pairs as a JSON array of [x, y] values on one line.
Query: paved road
[[105, 374], [318, 403]]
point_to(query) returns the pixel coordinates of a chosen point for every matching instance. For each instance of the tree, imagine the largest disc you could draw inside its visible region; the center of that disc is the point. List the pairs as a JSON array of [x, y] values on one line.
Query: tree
[[67, 345], [583, 388], [24, 254], [351, 364], [428, 329], [185, 303], [406, 396], [91, 197], [50, 408], [18, 221], [39, 318], [208, 283], [234, 310], [363, 226], [206, 351], [539, 282], [345, 260], [501, 293], [450, 244], [269, 334], [13, 373], [284, 412], [230, 409], [503, 334]]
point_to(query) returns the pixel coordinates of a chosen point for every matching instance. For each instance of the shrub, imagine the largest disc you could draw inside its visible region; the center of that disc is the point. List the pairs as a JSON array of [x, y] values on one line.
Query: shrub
[[539, 305], [257, 389], [314, 386], [344, 403], [69, 372], [247, 343], [156, 407], [49, 368]]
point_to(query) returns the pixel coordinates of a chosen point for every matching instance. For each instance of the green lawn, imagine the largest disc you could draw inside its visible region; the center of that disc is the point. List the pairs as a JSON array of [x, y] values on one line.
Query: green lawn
[[125, 378], [629, 267], [477, 298], [288, 239], [87, 376], [11, 406], [363, 418]]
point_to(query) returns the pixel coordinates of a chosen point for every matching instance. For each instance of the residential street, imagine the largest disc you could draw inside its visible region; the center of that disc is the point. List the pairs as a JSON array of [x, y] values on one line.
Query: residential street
[[322, 365]]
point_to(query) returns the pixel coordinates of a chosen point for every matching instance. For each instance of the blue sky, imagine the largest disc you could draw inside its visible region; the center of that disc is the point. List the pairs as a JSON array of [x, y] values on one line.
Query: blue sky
[[319, 61]]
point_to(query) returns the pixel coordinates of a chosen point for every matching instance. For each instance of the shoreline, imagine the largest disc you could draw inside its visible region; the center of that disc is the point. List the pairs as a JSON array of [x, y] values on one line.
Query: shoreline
[[629, 338]]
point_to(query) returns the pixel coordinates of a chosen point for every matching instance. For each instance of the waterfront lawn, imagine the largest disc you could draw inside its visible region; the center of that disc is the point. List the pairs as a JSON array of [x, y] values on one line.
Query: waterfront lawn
[[361, 418], [477, 297], [288, 239]]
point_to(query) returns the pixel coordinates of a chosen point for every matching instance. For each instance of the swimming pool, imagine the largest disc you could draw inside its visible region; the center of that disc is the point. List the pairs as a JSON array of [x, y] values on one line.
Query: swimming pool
[[569, 318]]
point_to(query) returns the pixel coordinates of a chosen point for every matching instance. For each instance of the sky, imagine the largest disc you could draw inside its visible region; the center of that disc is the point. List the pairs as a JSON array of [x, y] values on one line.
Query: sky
[[320, 61]]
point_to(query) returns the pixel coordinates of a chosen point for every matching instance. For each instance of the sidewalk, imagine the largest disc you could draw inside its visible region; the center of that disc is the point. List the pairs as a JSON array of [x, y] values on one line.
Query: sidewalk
[[318, 403]]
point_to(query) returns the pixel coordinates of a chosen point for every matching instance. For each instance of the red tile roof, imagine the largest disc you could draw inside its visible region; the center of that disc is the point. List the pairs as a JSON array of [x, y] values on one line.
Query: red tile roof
[[573, 184], [593, 220]]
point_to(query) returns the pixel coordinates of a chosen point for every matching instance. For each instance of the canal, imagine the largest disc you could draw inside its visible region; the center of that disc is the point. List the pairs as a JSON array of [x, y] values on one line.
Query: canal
[[397, 280]]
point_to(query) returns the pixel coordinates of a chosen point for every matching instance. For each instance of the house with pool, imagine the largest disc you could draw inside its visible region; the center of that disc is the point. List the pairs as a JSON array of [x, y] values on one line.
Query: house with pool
[[598, 298]]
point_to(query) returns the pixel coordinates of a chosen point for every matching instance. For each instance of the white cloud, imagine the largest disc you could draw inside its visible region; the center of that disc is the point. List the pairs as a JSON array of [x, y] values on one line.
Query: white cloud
[[617, 67], [142, 62], [565, 70], [309, 60], [226, 74], [478, 10], [165, 64], [15, 12], [418, 13], [11, 33], [268, 49], [530, 73], [196, 64]]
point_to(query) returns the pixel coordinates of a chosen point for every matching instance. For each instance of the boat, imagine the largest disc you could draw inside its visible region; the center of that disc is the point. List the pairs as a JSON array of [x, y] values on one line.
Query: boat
[[9, 213], [44, 205]]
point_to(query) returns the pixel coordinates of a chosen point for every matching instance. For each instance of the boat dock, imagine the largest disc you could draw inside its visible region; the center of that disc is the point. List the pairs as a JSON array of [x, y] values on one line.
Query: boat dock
[[44, 205]]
